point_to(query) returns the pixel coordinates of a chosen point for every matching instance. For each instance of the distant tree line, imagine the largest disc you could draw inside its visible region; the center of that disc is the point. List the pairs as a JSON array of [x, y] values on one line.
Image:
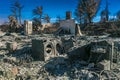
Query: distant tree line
[[85, 11], [15, 19]]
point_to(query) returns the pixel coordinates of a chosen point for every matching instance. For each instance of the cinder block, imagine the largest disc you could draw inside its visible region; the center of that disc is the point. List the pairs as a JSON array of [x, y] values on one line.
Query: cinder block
[[42, 49], [104, 65]]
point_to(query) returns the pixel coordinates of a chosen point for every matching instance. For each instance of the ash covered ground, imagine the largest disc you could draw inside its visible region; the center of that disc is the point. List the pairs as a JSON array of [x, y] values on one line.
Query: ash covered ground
[[19, 64]]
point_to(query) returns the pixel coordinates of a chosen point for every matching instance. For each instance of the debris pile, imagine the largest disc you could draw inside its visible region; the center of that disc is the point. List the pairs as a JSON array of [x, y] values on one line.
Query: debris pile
[[66, 57]]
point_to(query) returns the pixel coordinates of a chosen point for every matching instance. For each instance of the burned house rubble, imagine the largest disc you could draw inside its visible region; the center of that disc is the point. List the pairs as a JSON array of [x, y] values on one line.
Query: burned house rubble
[[72, 56], [36, 57]]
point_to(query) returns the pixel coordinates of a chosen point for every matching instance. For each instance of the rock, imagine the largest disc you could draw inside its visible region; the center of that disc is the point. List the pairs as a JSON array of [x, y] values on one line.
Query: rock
[[1, 44], [11, 60], [89, 76], [8, 74], [18, 39], [14, 34], [15, 71], [1, 73], [91, 65], [11, 46], [20, 77], [8, 34]]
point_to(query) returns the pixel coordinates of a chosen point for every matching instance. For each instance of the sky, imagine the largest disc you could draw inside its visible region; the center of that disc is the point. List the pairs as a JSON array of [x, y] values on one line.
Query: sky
[[51, 7]]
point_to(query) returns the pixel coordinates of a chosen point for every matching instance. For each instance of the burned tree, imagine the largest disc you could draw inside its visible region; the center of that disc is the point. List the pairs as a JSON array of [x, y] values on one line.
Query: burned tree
[[13, 23], [92, 7], [47, 18], [86, 10], [16, 9], [118, 15], [79, 12], [14, 13], [38, 12], [36, 24], [105, 13], [58, 19], [37, 20]]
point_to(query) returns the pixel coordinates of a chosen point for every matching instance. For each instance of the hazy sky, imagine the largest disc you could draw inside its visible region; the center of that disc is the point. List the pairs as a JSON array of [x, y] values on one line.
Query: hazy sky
[[51, 7]]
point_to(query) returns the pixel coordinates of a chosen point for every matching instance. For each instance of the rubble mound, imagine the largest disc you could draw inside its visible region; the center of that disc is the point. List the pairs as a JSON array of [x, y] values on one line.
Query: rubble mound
[[17, 62]]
